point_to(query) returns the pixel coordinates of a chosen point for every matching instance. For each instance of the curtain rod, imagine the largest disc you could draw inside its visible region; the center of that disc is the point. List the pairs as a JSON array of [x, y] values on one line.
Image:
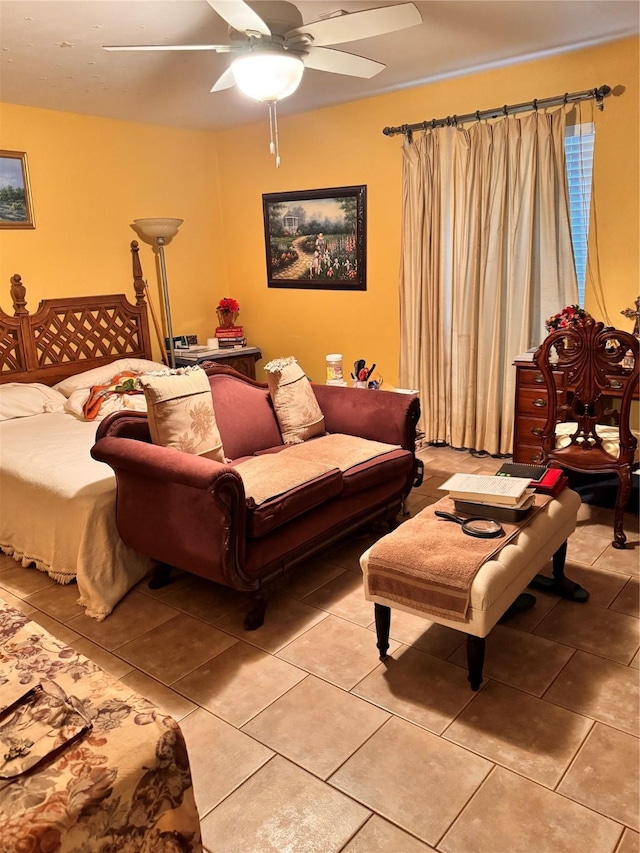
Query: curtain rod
[[508, 109]]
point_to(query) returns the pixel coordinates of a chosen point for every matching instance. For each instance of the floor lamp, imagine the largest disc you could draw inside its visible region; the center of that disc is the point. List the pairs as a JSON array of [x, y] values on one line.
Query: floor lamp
[[162, 230]]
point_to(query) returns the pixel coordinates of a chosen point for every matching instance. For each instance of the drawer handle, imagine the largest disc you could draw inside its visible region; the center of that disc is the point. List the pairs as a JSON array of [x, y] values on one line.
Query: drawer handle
[[536, 431], [539, 378], [615, 383], [536, 458], [539, 403]]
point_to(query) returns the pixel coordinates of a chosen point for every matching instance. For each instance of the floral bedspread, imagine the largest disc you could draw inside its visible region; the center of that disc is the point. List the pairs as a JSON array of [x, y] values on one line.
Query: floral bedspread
[[119, 779]]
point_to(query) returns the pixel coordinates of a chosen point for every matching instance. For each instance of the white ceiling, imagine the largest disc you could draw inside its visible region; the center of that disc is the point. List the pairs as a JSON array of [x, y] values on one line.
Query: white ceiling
[[51, 53]]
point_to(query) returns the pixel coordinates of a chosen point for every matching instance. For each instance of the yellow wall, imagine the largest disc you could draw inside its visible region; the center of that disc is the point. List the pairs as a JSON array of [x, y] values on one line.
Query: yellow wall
[[344, 145], [90, 177]]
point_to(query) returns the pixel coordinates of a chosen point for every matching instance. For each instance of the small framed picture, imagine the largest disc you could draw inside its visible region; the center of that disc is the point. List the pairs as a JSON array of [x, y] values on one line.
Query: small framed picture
[[15, 196], [316, 239]]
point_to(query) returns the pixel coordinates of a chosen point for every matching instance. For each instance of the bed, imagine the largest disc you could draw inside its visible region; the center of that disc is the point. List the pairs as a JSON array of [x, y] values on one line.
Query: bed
[[58, 504]]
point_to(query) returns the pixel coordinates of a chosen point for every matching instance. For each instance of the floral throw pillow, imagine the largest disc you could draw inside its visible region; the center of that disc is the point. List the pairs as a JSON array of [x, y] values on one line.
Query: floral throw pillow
[[180, 411], [295, 404]]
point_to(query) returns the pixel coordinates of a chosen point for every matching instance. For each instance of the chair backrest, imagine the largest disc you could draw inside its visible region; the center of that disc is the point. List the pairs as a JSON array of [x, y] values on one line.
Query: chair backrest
[[589, 358]]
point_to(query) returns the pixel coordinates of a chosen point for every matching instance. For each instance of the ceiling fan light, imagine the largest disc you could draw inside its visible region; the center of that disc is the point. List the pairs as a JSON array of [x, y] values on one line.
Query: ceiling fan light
[[267, 76]]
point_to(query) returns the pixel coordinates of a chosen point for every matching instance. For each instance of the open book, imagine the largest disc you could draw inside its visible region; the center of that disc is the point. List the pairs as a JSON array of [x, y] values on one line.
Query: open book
[[484, 488]]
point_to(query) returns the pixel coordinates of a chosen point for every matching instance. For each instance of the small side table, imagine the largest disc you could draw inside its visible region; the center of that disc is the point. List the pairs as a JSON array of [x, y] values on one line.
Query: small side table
[[242, 359]]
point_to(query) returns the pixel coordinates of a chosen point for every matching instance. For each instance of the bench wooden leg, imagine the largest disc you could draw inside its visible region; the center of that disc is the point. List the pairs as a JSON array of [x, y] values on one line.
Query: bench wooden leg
[[475, 660], [559, 584], [383, 625], [559, 559]]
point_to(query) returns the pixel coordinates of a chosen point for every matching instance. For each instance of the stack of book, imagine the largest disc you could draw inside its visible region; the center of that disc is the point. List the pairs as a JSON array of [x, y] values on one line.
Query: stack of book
[[500, 498], [547, 481], [230, 337]]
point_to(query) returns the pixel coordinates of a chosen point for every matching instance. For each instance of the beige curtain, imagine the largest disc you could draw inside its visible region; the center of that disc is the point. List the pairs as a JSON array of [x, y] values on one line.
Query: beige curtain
[[486, 257]]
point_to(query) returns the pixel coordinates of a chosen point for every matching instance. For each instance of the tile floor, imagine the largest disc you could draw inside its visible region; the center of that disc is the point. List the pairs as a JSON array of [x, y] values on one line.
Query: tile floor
[[301, 741]]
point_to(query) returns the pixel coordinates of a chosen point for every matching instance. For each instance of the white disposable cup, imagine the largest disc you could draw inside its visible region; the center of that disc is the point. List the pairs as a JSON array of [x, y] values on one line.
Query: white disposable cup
[[212, 343]]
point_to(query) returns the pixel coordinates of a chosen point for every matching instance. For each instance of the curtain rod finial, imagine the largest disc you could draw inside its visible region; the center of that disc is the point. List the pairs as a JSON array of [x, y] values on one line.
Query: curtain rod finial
[[600, 93]]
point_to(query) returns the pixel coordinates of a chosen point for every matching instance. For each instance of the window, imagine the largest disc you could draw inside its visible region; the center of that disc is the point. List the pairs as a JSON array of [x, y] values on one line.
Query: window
[[578, 148]]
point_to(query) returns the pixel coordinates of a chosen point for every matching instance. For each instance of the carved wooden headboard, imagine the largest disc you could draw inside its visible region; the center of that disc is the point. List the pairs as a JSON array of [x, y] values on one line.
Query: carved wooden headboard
[[72, 334]]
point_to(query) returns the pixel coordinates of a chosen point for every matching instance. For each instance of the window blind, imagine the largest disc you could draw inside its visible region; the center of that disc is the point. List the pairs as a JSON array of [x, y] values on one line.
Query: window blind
[[579, 146]]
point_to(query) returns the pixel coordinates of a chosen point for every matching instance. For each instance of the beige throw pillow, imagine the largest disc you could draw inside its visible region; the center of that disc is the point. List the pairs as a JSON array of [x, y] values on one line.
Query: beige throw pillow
[[295, 404], [180, 411]]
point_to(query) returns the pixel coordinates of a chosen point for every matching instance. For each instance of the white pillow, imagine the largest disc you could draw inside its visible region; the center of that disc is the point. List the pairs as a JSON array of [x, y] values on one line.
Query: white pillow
[[24, 399], [294, 402], [74, 404], [103, 375], [181, 413]]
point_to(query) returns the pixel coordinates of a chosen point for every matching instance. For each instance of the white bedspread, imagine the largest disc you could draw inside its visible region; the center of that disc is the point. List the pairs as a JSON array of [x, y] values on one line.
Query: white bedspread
[[57, 509]]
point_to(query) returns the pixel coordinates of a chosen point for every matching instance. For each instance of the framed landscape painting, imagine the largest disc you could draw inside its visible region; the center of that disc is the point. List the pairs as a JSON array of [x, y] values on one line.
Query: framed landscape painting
[[316, 239], [15, 197]]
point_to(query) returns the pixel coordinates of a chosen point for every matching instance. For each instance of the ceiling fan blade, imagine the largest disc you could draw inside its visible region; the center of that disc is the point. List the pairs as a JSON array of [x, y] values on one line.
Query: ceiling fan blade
[[359, 25], [341, 62], [225, 81], [219, 48], [240, 16]]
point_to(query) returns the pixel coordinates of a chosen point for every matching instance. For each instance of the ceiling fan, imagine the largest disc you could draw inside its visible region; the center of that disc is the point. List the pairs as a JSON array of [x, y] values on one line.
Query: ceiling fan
[[273, 48]]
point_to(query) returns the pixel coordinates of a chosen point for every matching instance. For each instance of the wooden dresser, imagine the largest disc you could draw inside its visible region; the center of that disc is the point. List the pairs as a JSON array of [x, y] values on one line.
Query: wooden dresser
[[530, 409]]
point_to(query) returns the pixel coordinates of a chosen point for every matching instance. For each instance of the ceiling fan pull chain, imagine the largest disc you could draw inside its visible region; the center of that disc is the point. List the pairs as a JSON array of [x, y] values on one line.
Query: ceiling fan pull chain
[[272, 147], [275, 124]]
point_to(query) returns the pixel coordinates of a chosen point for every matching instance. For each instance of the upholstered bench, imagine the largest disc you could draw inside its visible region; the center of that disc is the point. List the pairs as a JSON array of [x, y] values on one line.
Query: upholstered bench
[[391, 582]]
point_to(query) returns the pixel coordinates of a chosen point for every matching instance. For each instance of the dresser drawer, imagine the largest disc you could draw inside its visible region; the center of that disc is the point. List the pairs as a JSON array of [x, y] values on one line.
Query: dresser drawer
[[534, 401], [527, 454], [531, 409], [533, 377], [528, 429]]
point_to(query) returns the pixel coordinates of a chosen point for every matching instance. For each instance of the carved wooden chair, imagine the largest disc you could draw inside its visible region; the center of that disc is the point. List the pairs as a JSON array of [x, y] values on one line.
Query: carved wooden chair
[[585, 366]]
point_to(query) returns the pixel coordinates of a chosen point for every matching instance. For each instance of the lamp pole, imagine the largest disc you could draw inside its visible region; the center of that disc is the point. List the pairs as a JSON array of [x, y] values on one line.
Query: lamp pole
[[167, 305]]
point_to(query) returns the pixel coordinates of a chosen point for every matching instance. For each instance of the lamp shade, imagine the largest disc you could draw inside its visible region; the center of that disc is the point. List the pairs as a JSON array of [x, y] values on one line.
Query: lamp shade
[[158, 227], [266, 75]]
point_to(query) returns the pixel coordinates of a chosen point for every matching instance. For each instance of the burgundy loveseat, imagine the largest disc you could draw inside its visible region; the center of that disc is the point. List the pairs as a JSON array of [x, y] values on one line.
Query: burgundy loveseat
[[193, 513]]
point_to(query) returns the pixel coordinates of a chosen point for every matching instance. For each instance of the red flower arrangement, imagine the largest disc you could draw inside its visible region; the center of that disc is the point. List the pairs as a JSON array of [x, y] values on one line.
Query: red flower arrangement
[[569, 316], [228, 306]]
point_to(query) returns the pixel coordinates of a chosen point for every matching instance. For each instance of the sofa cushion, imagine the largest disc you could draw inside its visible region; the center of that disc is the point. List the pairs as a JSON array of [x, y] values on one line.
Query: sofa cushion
[[286, 482], [342, 451], [245, 415], [180, 412], [364, 463], [279, 487], [396, 464], [295, 404]]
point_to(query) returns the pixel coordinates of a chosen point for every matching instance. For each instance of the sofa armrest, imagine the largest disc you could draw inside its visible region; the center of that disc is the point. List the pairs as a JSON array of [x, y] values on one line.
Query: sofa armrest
[[377, 415], [162, 463], [127, 424], [181, 509]]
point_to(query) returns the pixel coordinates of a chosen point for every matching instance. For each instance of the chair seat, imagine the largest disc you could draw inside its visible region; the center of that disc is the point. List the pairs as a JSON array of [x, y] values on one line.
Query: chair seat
[[610, 436]]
